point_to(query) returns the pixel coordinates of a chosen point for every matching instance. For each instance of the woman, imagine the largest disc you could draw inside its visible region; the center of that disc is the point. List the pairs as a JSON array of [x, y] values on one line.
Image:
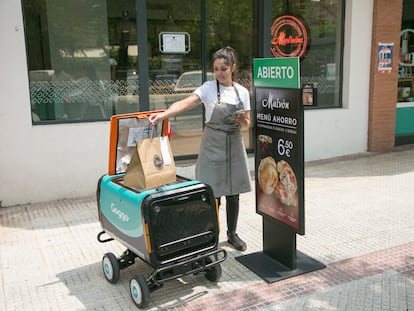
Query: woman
[[222, 160]]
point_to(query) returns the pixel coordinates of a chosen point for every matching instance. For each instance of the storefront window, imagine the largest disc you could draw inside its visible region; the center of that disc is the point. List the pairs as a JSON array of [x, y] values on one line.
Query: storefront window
[[82, 59], [406, 60], [404, 125], [321, 65], [175, 66]]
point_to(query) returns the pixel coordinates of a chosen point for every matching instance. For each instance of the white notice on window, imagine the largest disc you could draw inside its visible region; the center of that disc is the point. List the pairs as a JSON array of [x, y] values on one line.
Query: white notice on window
[[174, 43]]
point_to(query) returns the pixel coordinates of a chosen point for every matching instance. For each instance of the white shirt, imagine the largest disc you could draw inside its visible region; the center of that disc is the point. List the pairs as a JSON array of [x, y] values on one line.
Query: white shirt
[[208, 95]]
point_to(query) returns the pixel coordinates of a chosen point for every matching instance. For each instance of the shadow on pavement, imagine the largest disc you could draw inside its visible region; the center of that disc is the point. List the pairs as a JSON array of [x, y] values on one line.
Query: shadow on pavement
[[89, 286]]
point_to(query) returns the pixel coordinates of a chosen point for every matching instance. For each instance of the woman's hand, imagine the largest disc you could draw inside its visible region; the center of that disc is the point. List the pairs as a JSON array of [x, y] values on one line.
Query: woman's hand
[[155, 118], [185, 104], [243, 119]]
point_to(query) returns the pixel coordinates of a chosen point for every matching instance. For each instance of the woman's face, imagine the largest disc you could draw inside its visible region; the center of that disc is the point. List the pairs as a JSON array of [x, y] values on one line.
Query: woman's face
[[223, 72]]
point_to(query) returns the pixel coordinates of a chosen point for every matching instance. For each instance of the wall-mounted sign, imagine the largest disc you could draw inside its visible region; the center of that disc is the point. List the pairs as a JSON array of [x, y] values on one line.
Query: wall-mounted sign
[[174, 42], [385, 52], [289, 37]]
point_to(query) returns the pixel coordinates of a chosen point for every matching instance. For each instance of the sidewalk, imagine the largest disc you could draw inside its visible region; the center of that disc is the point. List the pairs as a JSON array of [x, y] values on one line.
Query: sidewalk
[[359, 215]]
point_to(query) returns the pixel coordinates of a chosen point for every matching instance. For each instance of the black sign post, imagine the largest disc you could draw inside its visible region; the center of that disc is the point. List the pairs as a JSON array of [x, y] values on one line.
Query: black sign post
[[279, 168]]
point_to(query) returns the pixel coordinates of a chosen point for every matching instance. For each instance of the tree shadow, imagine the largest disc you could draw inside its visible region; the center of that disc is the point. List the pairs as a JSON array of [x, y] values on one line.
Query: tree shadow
[[93, 291]]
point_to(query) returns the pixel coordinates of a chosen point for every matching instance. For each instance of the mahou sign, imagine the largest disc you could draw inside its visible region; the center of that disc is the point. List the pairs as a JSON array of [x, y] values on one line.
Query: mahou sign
[[289, 37]]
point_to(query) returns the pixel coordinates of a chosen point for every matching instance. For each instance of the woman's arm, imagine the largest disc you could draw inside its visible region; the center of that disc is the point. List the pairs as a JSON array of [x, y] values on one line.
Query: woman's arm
[[177, 107]]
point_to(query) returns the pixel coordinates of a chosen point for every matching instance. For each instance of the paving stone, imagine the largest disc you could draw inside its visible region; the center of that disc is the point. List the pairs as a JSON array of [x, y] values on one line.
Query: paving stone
[[359, 220]]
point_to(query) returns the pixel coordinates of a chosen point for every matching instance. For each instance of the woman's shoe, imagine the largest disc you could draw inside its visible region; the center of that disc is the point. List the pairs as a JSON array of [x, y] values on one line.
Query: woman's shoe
[[236, 242]]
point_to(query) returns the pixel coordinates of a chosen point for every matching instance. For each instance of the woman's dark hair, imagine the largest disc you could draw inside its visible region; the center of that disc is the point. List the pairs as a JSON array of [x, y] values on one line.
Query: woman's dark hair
[[230, 58]]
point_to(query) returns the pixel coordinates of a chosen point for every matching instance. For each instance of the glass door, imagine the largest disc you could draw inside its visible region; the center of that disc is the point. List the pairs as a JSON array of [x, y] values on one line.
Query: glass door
[[231, 23], [175, 66], [123, 53]]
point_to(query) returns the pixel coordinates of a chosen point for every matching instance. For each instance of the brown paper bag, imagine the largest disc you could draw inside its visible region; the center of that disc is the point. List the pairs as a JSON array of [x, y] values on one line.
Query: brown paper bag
[[152, 164]]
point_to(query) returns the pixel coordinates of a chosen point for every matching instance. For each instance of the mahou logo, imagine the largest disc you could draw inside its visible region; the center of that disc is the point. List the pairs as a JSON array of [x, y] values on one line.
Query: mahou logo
[[289, 37]]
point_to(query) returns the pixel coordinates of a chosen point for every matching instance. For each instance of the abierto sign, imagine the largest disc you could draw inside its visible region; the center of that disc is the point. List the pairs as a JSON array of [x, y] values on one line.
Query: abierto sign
[[283, 73]]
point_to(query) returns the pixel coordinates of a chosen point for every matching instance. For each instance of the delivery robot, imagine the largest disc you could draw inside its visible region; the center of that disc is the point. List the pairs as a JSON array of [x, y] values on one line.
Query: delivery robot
[[173, 228]]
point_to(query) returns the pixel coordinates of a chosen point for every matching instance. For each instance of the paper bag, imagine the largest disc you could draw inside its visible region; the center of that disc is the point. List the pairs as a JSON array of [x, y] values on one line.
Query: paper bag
[[152, 164]]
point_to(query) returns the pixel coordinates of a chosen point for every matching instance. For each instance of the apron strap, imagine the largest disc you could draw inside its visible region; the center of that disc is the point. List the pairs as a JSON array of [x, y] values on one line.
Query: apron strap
[[240, 105]]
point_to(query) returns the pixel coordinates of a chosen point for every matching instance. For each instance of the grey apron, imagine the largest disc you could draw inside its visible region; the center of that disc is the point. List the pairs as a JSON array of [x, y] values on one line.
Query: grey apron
[[222, 160]]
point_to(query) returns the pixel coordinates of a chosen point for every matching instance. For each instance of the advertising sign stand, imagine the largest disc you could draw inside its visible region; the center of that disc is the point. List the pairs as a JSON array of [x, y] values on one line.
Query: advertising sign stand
[[280, 259], [282, 248], [279, 168]]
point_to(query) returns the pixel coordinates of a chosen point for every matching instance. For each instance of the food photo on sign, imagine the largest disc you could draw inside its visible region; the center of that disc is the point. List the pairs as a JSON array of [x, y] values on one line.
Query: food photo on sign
[[278, 187]]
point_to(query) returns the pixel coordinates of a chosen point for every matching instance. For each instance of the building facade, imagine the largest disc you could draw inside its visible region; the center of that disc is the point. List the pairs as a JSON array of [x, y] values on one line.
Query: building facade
[[69, 66]]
